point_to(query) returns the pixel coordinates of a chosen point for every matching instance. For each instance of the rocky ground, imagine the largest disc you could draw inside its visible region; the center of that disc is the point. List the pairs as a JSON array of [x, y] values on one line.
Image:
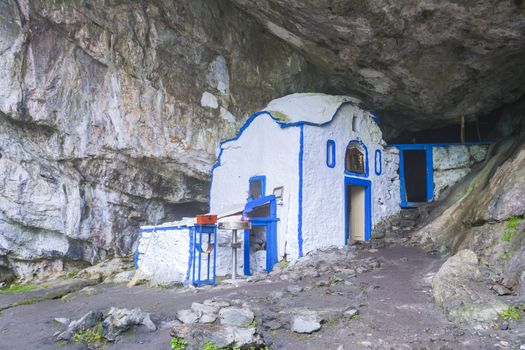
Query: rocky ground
[[376, 296]]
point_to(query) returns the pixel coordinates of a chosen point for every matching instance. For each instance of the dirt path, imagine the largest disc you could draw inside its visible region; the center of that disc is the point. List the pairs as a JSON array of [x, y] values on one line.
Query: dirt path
[[396, 309]]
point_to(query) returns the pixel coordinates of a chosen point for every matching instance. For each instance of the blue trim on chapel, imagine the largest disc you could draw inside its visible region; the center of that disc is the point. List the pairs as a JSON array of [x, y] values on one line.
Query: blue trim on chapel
[[262, 179], [378, 159], [330, 154], [300, 195]]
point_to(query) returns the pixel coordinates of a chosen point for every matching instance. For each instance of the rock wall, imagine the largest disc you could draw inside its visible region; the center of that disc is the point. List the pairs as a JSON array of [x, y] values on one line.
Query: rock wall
[[485, 213], [418, 64], [110, 115], [452, 163]]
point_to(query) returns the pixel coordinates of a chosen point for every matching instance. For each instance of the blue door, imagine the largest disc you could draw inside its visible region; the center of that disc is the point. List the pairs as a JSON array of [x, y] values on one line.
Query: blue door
[[269, 223]]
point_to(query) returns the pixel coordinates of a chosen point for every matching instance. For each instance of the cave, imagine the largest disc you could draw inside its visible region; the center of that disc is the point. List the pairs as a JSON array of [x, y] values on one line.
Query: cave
[[119, 121]]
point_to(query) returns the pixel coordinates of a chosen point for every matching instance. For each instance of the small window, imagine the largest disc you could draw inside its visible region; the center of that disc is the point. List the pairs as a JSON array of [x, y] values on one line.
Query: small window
[[354, 123], [355, 158], [378, 165], [330, 153], [257, 187]]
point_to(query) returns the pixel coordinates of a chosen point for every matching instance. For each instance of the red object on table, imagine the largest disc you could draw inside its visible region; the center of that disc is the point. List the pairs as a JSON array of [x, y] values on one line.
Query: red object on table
[[206, 219]]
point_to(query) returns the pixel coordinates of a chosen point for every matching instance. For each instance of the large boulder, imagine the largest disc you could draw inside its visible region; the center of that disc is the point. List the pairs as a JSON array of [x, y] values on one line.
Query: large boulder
[[236, 316], [458, 289]]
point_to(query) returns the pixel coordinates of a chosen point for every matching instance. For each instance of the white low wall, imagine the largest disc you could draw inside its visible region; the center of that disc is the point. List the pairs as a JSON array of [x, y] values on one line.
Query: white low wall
[[163, 255]]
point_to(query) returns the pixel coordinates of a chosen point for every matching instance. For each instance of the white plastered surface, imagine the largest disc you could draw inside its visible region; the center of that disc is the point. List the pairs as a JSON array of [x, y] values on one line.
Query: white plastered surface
[[164, 255], [263, 149], [323, 191], [308, 107]]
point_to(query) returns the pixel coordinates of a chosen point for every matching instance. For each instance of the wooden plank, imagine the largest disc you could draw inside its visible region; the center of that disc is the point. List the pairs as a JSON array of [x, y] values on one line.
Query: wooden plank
[[477, 129], [462, 129]]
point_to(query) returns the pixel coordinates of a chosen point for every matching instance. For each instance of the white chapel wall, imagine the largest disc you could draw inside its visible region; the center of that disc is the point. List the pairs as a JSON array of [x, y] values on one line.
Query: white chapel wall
[[323, 192], [263, 149]]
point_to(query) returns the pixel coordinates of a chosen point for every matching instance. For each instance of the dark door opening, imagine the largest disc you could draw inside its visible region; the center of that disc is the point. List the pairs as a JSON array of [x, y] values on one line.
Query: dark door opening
[[415, 173]]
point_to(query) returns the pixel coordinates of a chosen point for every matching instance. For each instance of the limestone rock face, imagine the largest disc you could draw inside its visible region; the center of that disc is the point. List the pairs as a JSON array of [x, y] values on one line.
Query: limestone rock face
[[111, 113], [416, 63], [485, 214], [456, 290], [451, 164]]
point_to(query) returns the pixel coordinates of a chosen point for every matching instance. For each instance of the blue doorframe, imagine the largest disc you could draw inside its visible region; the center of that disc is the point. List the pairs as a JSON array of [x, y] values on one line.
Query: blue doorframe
[[427, 147], [270, 223], [368, 205], [429, 172]]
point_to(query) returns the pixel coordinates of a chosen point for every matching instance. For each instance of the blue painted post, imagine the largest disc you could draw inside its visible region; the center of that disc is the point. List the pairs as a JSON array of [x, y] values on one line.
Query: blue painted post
[[346, 213], [247, 271], [430, 173], [200, 255], [214, 254], [402, 178], [194, 240], [368, 212], [209, 257], [300, 208], [136, 257], [271, 237]]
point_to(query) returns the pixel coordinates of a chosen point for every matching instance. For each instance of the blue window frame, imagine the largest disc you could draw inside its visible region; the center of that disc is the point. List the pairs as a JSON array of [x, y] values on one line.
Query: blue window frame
[[378, 163], [257, 188], [330, 153]]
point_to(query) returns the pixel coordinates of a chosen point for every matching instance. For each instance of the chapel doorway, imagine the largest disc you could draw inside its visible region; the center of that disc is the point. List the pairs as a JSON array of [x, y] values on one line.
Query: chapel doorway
[[415, 176], [357, 210]]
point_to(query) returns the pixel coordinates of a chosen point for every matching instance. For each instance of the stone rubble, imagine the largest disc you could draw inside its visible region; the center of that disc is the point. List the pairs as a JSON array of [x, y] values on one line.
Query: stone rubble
[[240, 319], [187, 316], [87, 321], [114, 321], [218, 322], [206, 313], [463, 299], [234, 316], [119, 320], [307, 323]]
